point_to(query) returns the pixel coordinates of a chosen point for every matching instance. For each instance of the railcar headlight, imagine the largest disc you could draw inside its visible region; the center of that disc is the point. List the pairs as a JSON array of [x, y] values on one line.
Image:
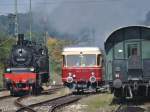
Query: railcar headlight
[[92, 73], [92, 79], [69, 79], [32, 69], [70, 74], [74, 76], [8, 70]]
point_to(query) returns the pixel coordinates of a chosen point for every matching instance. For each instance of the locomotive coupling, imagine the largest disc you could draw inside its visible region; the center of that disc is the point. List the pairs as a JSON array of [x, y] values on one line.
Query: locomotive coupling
[[117, 83]]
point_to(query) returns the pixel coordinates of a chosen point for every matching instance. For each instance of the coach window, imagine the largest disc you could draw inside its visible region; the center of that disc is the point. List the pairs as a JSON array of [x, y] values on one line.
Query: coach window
[[118, 51], [145, 49], [132, 50]]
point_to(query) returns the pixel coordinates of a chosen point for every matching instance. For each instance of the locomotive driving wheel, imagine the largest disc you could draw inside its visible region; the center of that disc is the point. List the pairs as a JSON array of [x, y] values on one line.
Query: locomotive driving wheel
[[12, 92], [36, 89]]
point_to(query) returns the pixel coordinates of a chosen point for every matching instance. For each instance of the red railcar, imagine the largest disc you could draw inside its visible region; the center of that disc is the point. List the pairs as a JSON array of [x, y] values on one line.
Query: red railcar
[[82, 68]]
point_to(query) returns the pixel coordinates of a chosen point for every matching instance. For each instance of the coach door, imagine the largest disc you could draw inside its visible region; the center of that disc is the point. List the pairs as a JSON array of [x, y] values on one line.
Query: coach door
[[134, 63]]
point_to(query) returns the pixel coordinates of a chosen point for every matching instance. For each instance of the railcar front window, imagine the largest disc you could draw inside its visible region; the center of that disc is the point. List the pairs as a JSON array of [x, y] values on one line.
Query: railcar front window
[[81, 60]]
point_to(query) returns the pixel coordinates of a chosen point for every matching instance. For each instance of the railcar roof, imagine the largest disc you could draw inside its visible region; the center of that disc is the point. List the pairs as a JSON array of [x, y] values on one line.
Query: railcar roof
[[79, 50]]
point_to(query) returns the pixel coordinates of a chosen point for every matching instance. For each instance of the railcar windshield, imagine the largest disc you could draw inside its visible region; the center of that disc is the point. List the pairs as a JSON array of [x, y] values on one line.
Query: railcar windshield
[[81, 60]]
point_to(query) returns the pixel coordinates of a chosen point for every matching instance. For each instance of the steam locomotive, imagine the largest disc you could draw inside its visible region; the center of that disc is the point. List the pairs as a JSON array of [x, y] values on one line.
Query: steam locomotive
[[27, 67]]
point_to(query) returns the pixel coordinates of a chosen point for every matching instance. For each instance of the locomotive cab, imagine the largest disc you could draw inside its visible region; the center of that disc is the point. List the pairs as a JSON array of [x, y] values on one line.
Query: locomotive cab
[[82, 68]]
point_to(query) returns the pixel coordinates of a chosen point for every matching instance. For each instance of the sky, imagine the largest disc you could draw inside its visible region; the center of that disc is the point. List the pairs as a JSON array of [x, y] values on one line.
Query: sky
[[95, 19]]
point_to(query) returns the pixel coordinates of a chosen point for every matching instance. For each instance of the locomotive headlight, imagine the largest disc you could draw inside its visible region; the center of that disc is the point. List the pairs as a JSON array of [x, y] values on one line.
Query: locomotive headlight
[[32, 69], [8, 70]]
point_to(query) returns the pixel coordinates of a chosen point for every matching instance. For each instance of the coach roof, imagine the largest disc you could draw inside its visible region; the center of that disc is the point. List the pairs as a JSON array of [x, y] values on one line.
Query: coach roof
[[127, 33]]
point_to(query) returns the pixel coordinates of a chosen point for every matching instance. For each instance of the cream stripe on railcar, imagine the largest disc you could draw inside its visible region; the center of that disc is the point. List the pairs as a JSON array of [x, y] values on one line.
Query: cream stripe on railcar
[[78, 50]]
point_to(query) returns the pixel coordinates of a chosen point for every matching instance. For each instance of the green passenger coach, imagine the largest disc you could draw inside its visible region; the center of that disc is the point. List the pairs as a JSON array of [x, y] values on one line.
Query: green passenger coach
[[127, 66]]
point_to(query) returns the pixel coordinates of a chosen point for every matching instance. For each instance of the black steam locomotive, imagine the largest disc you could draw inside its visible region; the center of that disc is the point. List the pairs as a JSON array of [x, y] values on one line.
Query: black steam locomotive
[[27, 67]]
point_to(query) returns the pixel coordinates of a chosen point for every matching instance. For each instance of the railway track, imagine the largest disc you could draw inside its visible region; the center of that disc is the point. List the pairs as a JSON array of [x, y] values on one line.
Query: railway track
[[7, 101], [18, 102], [52, 89], [4, 97], [50, 104]]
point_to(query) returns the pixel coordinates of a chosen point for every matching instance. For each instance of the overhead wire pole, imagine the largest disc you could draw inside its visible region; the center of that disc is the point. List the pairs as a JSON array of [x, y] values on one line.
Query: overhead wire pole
[[46, 30], [16, 19], [30, 22]]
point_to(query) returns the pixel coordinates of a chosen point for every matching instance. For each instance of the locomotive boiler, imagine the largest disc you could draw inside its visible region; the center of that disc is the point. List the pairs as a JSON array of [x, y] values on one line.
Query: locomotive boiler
[[27, 67]]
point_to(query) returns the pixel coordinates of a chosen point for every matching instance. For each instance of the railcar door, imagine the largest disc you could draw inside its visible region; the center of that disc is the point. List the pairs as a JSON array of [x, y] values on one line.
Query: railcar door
[[134, 63]]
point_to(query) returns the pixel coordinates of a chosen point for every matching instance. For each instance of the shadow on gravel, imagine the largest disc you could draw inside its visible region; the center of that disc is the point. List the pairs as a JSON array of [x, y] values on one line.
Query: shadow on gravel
[[20, 94], [131, 105], [88, 93], [134, 101], [131, 109]]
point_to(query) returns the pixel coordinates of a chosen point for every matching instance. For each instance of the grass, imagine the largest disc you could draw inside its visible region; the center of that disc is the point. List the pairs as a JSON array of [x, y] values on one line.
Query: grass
[[55, 77], [98, 103]]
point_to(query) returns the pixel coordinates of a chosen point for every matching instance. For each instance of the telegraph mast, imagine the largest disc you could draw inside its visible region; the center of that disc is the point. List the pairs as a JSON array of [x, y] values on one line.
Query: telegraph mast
[[30, 22], [16, 19]]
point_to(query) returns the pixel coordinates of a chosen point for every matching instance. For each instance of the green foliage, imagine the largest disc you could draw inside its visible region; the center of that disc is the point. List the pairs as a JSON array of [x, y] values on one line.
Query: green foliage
[[5, 47], [55, 47]]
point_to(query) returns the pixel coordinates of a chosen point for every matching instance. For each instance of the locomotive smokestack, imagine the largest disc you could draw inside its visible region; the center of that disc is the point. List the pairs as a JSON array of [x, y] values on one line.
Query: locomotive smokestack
[[20, 39]]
